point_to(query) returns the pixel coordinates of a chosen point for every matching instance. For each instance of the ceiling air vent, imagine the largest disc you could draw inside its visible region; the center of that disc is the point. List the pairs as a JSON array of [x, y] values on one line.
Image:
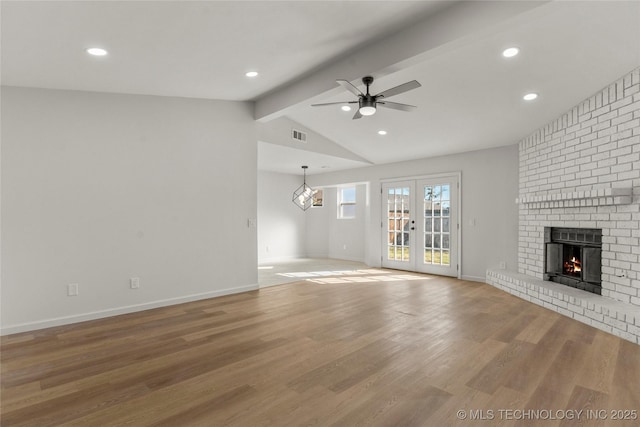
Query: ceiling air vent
[[298, 135]]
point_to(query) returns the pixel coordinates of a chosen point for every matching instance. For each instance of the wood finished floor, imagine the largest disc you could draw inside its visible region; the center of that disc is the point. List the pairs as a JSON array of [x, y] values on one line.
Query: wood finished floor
[[370, 353]]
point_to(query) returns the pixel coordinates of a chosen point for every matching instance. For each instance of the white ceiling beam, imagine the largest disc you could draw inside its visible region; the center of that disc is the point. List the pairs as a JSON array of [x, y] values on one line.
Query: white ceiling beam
[[416, 43]]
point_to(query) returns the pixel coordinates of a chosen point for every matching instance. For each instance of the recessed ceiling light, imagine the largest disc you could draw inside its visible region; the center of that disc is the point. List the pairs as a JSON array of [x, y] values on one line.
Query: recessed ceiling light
[[96, 51], [251, 73], [510, 52], [382, 132], [530, 96], [345, 108]]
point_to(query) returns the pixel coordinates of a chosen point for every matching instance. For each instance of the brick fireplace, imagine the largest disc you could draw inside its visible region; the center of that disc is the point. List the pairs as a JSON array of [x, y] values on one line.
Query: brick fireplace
[[582, 171]]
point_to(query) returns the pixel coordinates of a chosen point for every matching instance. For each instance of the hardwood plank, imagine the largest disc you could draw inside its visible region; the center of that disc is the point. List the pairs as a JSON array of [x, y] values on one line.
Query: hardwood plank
[[203, 411], [500, 368], [555, 389], [531, 367], [599, 368], [626, 393], [356, 352], [584, 400]]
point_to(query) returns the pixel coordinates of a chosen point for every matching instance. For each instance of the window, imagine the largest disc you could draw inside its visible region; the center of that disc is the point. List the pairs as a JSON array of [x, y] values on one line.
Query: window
[[318, 198], [347, 202]]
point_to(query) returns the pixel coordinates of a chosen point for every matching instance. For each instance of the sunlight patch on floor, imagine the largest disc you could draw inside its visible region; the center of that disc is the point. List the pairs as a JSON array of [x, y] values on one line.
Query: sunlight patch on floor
[[387, 278], [332, 273]]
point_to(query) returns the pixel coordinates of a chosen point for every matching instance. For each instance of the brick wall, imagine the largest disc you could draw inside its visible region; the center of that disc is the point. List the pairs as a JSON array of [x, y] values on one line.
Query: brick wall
[[583, 170]]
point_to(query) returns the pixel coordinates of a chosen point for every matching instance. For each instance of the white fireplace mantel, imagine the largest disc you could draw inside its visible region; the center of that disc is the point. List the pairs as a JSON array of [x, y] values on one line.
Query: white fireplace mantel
[[597, 197]]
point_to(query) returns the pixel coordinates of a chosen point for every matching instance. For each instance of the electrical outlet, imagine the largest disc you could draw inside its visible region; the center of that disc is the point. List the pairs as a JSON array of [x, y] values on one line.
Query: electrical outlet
[[134, 282], [72, 289], [503, 265]]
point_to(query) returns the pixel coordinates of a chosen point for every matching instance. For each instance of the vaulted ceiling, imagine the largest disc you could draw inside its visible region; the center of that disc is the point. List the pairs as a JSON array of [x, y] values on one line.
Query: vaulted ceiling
[[470, 99]]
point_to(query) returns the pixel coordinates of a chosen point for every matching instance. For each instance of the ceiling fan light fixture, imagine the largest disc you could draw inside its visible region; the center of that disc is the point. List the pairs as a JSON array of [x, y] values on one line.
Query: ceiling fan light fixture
[[367, 103], [367, 111], [367, 107]]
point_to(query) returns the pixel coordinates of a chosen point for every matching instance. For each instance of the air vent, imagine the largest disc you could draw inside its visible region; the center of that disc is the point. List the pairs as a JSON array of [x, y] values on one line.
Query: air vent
[[298, 135]]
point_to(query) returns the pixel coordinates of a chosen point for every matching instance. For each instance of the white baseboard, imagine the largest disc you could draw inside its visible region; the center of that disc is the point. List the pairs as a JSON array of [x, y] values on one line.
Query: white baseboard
[[66, 320], [262, 261], [317, 255], [347, 258], [268, 285], [474, 278]]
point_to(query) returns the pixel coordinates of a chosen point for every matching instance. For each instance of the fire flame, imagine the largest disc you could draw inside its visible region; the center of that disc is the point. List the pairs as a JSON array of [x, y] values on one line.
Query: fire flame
[[573, 265]]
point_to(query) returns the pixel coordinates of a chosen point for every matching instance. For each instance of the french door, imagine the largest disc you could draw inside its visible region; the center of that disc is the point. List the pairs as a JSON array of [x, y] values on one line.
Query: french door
[[420, 225]]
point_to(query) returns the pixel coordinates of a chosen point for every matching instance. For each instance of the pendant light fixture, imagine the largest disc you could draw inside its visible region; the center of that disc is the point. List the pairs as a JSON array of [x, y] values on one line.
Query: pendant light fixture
[[303, 196]]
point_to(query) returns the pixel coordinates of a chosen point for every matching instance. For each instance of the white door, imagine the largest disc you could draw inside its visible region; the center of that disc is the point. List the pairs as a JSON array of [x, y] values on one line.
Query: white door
[[398, 224], [420, 225], [437, 229]]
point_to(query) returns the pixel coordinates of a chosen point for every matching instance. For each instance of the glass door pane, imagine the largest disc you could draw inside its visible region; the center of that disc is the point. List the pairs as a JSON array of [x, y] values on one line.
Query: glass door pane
[[397, 225], [438, 227], [437, 207]]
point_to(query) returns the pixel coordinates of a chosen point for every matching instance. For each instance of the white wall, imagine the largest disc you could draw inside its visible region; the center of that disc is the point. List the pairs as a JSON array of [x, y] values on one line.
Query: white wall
[[290, 232], [347, 239], [318, 224], [98, 188], [329, 236], [489, 220], [281, 224]]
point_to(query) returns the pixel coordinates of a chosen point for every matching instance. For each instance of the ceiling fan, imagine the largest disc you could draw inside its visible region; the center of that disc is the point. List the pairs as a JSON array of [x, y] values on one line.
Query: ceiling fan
[[367, 103]]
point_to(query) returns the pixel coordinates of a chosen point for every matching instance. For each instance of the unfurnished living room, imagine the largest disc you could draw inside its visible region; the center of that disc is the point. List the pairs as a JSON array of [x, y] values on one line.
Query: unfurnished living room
[[320, 213]]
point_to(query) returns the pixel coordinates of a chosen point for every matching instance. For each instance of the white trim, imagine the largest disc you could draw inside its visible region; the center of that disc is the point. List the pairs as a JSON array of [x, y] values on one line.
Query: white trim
[[58, 321], [316, 255], [353, 259], [474, 279], [285, 258], [273, 284], [459, 224], [418, 177]]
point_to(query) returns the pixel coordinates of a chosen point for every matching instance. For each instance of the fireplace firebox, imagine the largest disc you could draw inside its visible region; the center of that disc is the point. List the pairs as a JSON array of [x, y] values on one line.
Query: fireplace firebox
[[573, 257]]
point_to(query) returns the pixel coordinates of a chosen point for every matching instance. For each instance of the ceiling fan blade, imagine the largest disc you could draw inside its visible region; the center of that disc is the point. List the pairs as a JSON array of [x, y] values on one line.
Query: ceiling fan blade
[[396, 106], [351, 88], [334, 103], [399, 89], [357, 115]]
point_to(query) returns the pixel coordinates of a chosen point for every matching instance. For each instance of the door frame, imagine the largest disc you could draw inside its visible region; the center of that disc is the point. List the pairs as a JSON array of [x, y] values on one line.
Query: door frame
[[458, 175]]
